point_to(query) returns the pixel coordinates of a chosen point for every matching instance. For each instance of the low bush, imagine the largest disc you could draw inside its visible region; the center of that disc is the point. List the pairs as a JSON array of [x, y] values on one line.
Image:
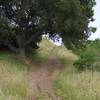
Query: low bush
[[89, 57], [85, 61]]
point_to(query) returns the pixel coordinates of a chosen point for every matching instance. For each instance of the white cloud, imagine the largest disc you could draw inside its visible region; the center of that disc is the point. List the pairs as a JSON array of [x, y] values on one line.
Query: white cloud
[[96, 23]]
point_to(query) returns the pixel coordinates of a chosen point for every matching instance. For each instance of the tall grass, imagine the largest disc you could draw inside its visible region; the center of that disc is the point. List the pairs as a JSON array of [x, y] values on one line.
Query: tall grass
[[74, 85], [13, 78], [70, 84], [48, 49], [78, 86]]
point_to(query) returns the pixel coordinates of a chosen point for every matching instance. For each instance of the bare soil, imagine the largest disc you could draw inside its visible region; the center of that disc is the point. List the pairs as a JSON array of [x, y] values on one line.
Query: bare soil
[[41, 78]]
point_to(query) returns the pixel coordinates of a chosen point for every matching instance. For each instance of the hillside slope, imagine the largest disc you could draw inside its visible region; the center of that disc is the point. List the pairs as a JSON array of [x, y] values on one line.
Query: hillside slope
[[44, 69], [42, 75], [50, 76], [69, 84]]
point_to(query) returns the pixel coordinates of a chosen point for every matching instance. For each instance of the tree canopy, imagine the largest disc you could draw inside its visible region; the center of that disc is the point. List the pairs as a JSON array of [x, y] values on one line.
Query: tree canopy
[[23, 22]]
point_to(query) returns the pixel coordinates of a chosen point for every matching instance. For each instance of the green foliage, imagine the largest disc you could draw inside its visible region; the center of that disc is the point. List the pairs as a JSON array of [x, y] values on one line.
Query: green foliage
[[19, 29], [22, 22], [85, 61], [89, 56]]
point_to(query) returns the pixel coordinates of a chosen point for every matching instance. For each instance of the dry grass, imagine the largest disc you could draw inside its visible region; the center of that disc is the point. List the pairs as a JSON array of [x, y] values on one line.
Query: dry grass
[[48, 49], [78, 86], [70, 85], [13, 78]]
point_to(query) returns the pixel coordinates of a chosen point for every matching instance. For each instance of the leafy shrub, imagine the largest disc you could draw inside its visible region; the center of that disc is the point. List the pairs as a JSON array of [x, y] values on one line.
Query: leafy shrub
[[85, 61], [89, 56]]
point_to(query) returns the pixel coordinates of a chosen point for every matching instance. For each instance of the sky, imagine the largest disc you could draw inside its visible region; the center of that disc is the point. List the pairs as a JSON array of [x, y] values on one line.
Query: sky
[[96, 23]]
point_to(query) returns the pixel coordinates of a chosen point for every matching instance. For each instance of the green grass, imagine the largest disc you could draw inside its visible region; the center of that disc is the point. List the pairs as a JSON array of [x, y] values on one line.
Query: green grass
[[13, 78], [70, 84], [78, 86], [74, 85]]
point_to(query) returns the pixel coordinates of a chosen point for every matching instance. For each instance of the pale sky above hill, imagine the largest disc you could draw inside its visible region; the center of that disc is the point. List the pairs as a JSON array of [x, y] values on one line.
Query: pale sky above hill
[[96, 23]]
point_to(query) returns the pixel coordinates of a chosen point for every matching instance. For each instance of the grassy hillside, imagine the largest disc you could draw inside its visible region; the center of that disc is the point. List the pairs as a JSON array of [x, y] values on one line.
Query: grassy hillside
[[48, 49], [70, 84]]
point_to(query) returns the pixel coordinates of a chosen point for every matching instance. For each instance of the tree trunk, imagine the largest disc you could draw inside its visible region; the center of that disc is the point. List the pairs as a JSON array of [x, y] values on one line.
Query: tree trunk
[[21, 46], [21, 53]]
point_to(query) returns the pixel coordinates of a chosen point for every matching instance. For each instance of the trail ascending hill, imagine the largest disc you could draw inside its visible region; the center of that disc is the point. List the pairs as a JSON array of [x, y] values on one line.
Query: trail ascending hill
[[42, 76]]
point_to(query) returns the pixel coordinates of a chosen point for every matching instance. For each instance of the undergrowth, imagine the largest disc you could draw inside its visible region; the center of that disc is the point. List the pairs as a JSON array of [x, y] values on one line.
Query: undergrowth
[[70, 84], [13, 78]]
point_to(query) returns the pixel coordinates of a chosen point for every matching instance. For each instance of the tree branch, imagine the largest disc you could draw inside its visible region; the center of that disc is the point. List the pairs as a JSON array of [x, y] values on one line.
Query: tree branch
[[9, 45], [32, 38]]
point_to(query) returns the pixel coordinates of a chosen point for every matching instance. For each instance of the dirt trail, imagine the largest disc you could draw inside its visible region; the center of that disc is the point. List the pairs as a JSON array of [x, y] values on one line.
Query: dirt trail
[[42, 76]]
